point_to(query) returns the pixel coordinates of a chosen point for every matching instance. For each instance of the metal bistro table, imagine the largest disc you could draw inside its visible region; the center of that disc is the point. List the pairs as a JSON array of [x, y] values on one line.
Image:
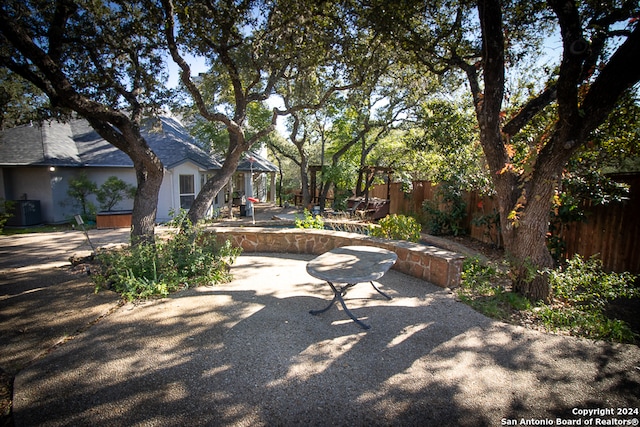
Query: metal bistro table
[[351, 265]]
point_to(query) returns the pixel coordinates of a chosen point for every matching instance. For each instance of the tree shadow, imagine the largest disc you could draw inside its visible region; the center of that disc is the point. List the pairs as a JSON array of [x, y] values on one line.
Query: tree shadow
[[249, 353]]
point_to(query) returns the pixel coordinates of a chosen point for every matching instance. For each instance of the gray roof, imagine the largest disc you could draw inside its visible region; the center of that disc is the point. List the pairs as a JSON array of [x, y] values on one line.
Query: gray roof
[[22, 145], [252, 161], [76, 144]]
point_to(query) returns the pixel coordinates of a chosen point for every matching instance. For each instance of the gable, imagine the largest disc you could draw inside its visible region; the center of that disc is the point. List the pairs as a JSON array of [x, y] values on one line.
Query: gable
[[58, 143], [174, 145], [21, 146]]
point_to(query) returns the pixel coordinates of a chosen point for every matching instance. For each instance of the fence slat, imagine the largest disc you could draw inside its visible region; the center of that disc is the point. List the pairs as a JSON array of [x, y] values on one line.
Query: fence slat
[[611, 231]]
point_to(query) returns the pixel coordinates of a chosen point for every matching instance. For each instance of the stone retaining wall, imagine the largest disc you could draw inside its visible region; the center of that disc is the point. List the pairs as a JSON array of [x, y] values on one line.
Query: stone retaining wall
[[429, 263]]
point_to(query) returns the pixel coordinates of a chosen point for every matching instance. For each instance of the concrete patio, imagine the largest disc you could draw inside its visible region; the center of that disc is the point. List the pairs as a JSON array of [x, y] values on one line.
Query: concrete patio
[[249, 353]]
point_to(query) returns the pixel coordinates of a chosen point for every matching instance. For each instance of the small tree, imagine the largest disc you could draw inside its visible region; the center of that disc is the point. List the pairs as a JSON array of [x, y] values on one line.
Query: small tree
[[79, 189], [6, 212], [113, 191]]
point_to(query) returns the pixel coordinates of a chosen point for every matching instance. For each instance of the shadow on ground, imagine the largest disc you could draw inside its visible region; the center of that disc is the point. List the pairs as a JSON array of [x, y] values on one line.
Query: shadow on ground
[[249, 353]]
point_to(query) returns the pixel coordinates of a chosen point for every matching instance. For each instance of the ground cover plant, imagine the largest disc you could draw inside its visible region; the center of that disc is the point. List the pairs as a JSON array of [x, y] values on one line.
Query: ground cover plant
[[397, 227], [187, 259], [6, 207], [309, 221], [581, 292]]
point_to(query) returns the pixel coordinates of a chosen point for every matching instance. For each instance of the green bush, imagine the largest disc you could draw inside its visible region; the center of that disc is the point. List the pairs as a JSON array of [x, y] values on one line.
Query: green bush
[[310, 221], [80, 188], [113, 191], [6, 212], [585, 290], [446, 212], [482, 287], [581, 289], [187, 259], [584, 284], [477, 275], [397, 227]]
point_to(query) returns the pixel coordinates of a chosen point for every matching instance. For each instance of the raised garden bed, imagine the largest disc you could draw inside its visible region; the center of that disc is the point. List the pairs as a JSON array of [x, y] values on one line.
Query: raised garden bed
[[113, 219]]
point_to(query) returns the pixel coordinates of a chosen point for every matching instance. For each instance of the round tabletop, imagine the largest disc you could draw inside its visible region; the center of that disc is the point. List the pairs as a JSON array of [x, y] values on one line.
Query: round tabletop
[[352, 264]]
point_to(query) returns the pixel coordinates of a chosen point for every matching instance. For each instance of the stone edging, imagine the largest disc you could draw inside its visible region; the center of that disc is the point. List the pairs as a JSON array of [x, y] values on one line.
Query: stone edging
[[438, 266]]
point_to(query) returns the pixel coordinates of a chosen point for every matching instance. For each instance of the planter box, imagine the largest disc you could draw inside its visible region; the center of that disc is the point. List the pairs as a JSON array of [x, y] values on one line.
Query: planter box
[[113, 219]]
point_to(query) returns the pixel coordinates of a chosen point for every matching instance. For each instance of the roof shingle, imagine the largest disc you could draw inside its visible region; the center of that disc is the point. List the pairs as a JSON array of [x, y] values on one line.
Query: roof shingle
[[77, 144]]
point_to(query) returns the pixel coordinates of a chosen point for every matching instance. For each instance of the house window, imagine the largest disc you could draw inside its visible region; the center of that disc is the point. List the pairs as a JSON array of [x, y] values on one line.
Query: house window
[[187, 191]]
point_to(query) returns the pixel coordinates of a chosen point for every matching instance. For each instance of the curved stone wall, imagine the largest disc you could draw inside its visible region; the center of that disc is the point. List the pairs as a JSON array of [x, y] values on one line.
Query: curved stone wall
[[429, 263]]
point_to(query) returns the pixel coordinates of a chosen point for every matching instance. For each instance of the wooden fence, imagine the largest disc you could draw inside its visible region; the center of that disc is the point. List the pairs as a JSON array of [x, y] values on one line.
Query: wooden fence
[[611, 231]]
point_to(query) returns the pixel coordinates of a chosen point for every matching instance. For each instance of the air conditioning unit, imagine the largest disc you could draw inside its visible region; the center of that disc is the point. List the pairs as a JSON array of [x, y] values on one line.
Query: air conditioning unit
[[25, 212]]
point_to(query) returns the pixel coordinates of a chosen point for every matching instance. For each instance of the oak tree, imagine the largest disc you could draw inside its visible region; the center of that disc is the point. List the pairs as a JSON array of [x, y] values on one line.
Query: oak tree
[[486, 40], [253, 48], [102, 61]]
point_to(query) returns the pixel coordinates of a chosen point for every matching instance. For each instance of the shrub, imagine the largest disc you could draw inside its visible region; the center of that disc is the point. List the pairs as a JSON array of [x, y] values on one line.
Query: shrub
[[187, 259], [482, 287], [583, 290], [6, 212], [113, 191], [310, 221], [397, 227], [80, 188], [447, 211], [584, 284]]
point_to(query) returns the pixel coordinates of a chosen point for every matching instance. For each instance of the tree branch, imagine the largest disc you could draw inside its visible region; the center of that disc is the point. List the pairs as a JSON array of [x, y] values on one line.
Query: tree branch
[[575, 50], [620, 74], [533, 107], [185, 74], [53, 80]]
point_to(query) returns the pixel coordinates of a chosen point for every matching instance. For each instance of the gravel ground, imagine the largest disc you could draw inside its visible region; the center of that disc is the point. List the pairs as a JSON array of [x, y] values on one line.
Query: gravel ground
[[249, 353]]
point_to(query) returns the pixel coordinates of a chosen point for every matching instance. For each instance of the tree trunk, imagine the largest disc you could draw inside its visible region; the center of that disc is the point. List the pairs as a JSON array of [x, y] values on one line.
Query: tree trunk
[[304, 180], [524, 201], [149, 172], [230, 202], [149, 176], [212, 187], [524, 230]]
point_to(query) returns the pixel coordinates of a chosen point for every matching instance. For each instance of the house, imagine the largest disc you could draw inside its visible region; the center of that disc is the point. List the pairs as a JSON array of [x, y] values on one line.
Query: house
[[37, 162]]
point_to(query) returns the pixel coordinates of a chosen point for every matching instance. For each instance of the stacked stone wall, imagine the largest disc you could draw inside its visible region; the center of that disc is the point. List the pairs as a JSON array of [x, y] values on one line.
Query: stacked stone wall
[[429, 263]]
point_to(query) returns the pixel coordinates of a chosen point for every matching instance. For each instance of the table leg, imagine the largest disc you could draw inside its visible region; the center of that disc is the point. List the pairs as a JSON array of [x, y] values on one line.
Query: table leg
[[380, 292], [337, 296]]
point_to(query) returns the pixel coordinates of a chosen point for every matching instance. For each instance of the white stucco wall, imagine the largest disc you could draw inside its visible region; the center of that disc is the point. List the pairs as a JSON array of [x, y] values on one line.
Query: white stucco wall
[[169, 199], [165, 197]]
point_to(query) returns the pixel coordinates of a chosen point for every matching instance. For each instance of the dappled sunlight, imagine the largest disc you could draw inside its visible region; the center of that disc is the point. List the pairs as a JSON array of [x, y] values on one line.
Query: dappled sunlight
[[28, 291], [216, 370], [316, 358], [407, 333], [249, 353], [408, 302]]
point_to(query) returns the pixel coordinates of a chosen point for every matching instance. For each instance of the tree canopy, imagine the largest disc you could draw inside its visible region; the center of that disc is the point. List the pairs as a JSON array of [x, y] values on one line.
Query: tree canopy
[[356, 76], [102, 61], [483, 41]]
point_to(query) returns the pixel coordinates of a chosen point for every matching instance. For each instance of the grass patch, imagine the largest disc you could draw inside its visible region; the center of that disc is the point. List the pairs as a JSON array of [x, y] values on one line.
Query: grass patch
[[484, 287], [13, 231], [581, 294]]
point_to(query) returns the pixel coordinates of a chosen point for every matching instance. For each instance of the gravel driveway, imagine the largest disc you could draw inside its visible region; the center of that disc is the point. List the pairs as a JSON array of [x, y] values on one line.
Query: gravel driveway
[[248, 353]]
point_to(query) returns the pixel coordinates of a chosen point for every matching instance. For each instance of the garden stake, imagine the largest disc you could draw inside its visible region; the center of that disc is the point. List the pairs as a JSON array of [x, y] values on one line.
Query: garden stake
[[81, 224]]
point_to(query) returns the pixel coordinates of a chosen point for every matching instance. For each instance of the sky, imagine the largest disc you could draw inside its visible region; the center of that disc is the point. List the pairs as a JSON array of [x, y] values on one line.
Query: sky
[[198, 65]]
